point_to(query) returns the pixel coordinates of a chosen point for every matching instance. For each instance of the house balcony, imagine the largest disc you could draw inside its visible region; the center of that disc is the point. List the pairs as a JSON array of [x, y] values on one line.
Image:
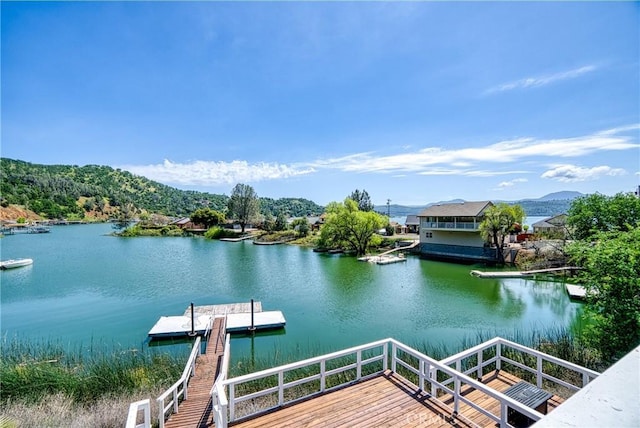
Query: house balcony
[[461, 226]]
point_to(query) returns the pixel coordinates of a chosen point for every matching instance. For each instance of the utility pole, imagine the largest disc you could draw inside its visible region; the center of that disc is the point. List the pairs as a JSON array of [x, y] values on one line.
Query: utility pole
[[389, 208]]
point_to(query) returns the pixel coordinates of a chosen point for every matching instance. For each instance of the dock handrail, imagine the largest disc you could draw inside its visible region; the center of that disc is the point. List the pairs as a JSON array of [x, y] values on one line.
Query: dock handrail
[[134, 410], [498, 345], [424, 367], [219, 401], [179, 388]]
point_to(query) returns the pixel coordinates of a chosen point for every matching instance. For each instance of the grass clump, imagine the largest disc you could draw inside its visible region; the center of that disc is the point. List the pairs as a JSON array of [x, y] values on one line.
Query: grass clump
[[218, 232], [45, 384]]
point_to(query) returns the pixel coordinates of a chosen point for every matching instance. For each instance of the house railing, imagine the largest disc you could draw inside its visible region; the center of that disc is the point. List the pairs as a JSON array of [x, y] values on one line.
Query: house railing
[[451, 225], [219, 401], [273, 388], [499, 351], [179, 388]]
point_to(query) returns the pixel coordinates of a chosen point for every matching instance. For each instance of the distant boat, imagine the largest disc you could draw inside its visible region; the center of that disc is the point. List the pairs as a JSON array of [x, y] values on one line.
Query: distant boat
[[38, 229], [14, 263]]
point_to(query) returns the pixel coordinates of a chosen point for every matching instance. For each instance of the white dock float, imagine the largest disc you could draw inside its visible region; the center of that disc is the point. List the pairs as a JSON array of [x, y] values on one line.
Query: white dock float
[[576, 291], [175, 326], [237, 323]]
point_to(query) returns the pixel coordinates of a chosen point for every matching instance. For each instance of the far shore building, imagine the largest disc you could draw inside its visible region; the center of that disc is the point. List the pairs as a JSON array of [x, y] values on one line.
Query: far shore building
[[452, 232], [551, 225], [412, 224]]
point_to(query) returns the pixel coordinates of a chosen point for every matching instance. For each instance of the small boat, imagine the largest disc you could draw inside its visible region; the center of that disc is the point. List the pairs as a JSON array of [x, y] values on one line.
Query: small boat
[[14, 263]]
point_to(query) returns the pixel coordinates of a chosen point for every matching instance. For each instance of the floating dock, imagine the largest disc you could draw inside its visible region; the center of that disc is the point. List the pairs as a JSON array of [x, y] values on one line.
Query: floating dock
[[238, 317], [176, 326], [576, 291], [268, 320], [383, 260], [521, 274]]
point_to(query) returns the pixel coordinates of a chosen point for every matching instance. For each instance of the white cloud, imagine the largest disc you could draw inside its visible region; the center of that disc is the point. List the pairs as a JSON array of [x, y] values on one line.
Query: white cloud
[[209, 173], [532, 82], [464, 161], [573, 173], [492, 160], [512, 182]]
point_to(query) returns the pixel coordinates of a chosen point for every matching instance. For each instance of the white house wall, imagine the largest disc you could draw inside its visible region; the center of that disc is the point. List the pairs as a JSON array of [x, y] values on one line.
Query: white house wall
[[467, 239]]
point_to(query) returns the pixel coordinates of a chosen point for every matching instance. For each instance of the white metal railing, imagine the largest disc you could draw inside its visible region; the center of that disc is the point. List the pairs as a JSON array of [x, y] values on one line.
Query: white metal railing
[[452, 225], [428, 370], [225, 396], [375, 351], [134, 411], [179, 388], [219, 401], [472, 360]]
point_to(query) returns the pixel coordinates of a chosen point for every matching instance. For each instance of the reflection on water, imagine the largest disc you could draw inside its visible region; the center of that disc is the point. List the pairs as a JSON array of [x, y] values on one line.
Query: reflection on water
[[85, 285]]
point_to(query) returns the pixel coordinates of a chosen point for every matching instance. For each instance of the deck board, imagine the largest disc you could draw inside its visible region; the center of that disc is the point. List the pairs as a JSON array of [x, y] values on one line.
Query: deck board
[[196, 410], [387, 401]]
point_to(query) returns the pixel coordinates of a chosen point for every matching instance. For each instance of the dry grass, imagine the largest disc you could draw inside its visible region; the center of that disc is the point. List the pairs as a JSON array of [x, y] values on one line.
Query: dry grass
[[59, 410]]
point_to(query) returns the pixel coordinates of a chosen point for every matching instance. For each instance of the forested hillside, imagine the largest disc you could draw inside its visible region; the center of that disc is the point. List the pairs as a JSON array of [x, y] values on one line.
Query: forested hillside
[[69, 191]]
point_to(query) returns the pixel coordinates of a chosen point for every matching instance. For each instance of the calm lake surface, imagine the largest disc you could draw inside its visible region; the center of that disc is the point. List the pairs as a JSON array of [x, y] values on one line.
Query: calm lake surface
[[87, 287]]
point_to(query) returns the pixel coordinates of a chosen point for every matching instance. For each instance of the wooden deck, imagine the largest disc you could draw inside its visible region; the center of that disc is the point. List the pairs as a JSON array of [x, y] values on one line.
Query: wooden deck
[[196, 410], [390, 401]]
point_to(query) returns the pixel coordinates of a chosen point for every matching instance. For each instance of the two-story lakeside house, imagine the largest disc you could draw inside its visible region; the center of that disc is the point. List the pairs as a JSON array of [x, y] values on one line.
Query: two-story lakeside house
[[452, 232]]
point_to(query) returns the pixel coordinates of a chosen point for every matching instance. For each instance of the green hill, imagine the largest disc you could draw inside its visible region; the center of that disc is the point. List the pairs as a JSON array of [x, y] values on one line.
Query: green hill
[[70, 191]]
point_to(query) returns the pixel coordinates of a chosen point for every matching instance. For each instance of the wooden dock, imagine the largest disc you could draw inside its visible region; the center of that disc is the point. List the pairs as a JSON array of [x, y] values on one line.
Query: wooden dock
[[195, 411], [576, 291], [521, 274], [388, 400]]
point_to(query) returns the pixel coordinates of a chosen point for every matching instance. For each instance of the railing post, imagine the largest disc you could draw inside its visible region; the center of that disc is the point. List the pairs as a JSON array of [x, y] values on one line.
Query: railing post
[[433, 374], [223, 420], [498, 356], [585, 379], [385, 355], [232, 402], [479, 372], [175, 400], [185, 387], [147, 414], [358, 365], [421, 378], [160, 413], [393, 357], [323, 369], [456, 394], [280, 388], [503, 414], [539, 371]]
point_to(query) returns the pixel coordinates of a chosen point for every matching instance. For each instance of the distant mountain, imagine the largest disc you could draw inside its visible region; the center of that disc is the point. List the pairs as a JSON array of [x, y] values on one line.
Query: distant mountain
[[557, 196], [547, 205]]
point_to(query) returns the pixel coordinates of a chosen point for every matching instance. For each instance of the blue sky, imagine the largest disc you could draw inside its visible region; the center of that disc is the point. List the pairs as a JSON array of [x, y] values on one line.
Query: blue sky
[[415, 101]]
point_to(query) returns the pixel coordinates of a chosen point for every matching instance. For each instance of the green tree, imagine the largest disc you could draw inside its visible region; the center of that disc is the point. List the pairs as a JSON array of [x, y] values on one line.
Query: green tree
[[595, 213], [611, 276], [498, 222], [362, 199], [347, 226], [269, 223], [243, 205], [281, 222], [301, 226], [207, 217]]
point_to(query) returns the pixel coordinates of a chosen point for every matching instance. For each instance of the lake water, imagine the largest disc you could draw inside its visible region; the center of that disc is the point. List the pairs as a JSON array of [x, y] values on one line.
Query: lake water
[[88, 287]]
